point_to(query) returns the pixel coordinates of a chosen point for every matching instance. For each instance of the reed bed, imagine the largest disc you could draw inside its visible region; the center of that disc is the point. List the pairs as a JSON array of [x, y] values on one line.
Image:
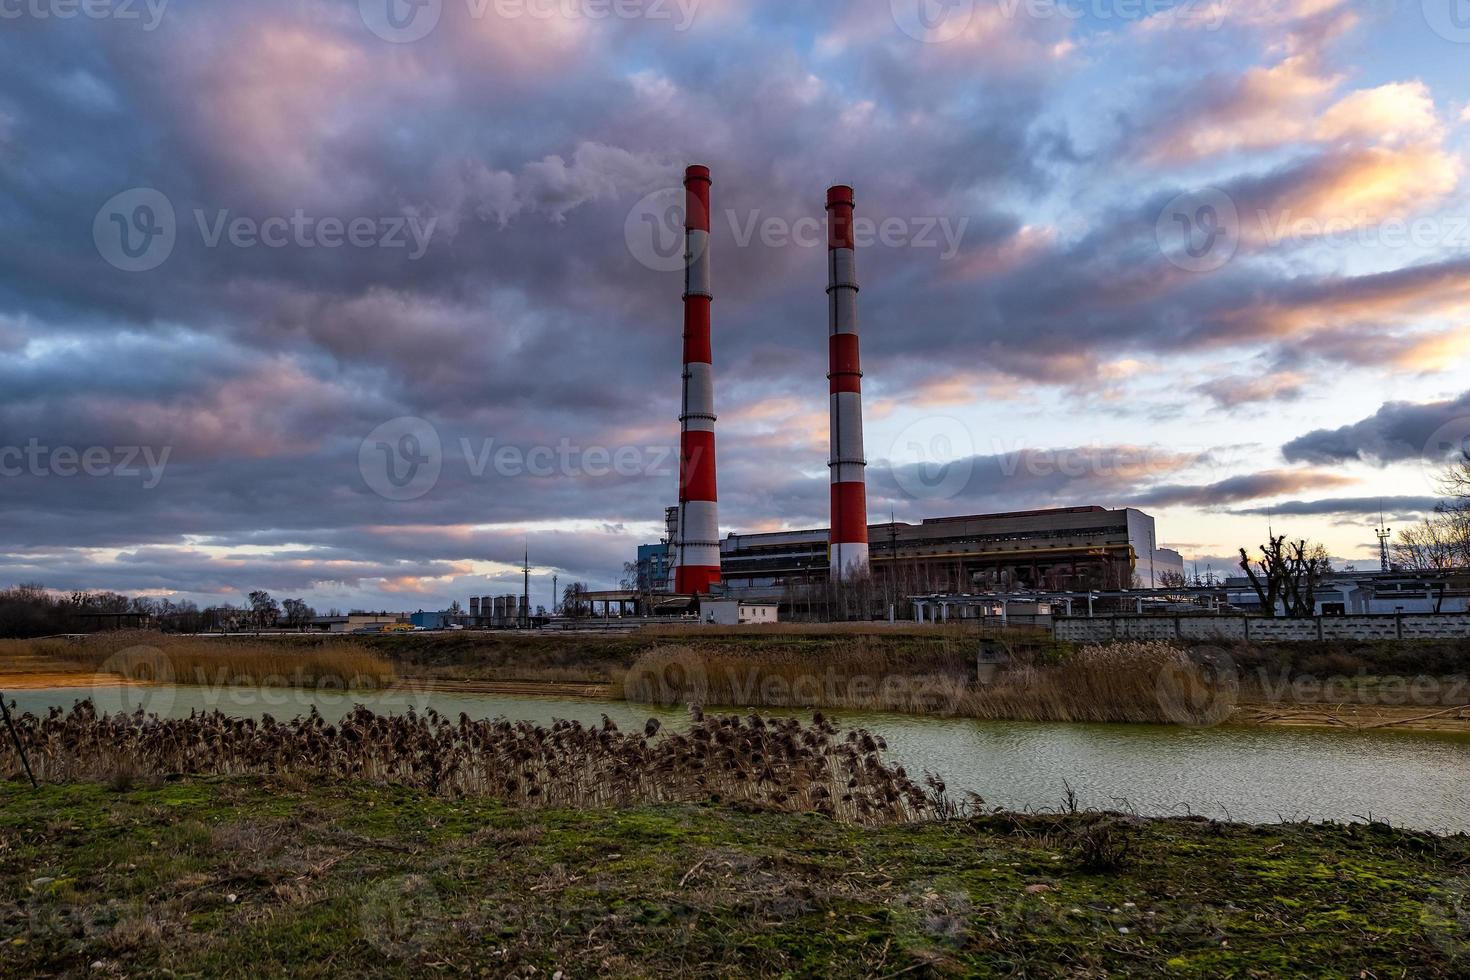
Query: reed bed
[[955, 629], [156, 657], [1140, 682], [779, 764], [1120, 682]]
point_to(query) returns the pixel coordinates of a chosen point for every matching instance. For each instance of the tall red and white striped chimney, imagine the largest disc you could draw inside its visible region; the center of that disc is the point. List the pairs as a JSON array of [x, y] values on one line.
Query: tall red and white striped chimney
[[697, 555], [849, 535]]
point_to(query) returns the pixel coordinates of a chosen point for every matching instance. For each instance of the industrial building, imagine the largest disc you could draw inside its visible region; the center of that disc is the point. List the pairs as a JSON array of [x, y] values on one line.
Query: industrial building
[[356, 623], [1063, 549]]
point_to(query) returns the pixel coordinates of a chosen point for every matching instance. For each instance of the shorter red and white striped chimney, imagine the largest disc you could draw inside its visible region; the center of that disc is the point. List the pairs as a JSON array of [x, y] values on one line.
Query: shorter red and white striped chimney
[[697, 551], [848, 539]]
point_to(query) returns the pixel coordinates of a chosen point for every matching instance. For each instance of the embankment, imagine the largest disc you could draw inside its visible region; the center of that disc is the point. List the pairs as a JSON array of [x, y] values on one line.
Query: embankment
[[927, 670]]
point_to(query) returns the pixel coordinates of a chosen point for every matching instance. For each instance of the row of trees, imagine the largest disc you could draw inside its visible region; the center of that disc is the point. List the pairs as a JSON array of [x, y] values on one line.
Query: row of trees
[[33, 610]]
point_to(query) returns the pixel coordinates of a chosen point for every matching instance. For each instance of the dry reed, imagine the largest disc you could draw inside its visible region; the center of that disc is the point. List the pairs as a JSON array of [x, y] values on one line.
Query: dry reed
[[780, 764], [1121, 682]]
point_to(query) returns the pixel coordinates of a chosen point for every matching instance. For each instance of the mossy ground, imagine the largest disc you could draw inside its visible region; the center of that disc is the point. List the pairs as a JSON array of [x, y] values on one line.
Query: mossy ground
[[257, 877]]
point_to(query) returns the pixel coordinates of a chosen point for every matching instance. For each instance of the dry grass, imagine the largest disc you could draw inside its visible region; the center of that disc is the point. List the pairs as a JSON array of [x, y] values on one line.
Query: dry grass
[[952, 630], [780, 764], [155, 657], [1118, 682], [1123, 682]]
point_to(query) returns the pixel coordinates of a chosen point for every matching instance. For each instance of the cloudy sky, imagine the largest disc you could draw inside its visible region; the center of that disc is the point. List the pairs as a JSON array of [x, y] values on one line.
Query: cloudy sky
[[351, 300]]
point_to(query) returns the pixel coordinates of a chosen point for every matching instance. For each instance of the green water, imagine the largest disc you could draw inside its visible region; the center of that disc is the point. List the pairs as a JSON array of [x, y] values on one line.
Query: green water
[[1251, 774]]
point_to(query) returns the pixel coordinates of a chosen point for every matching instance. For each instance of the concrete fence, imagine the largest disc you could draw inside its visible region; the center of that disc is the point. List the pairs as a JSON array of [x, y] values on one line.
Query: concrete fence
[[1412, 626]]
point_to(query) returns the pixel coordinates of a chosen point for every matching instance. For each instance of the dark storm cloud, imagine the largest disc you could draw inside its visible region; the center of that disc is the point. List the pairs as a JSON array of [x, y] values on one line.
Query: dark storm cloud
[[1395, 508], [1429, 431], [527, 319], [1237, 488]]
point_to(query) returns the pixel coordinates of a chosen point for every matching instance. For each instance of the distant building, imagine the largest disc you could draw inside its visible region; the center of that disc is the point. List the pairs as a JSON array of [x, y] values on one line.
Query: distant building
[[436, 620], [655, 568], [732, 612], [354, 623]]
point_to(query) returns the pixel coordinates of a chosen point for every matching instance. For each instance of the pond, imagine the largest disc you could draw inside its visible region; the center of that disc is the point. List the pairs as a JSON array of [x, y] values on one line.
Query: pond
[[1257, 775]]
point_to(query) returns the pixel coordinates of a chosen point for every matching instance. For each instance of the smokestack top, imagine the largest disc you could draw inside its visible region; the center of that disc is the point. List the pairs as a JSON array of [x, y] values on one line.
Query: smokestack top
[[696, 200], [839, 222]]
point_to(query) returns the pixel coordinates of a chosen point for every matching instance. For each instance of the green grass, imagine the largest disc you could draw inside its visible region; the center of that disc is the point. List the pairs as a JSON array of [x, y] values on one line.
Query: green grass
[[351, 879]]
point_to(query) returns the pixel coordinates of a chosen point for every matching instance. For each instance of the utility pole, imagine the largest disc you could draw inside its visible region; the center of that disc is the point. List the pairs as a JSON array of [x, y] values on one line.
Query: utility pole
[[1384, 534], [526, 587], [554, 594]]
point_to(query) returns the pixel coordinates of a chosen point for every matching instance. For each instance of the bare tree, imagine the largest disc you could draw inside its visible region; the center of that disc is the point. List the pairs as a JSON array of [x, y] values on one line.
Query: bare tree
[[1173, 580], [298, 613], [264, 610], [1455, 481], [1288, 574], [574, 600]]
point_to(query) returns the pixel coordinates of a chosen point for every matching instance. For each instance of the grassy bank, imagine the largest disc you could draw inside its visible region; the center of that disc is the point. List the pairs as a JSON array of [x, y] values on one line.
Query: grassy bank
[[159, 657], [253, 877]]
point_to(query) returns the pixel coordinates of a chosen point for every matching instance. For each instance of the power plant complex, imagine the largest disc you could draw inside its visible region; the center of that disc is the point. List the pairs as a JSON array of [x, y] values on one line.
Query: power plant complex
[[1058, 549]]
